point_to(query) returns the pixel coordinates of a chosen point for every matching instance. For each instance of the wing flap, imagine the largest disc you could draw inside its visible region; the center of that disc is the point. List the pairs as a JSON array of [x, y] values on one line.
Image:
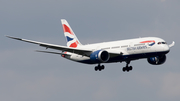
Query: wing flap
[[50, 52]]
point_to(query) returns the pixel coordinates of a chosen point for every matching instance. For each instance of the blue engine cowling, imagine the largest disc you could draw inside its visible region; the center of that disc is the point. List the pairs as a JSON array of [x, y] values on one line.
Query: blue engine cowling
[[158, 60], [99, 56]]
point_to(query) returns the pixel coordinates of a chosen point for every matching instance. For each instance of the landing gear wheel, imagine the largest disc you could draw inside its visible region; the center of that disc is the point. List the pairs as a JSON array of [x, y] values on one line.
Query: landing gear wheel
[[102, 67], [127, 68], [99, 67], [124, 69], [96, 68], [130, 68]]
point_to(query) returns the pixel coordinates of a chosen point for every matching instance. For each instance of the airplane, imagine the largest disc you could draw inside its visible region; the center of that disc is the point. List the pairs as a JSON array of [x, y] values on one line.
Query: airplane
[[153, 49]]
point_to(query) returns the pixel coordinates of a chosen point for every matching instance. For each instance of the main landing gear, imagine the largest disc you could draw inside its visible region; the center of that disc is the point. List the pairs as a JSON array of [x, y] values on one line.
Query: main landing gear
[[127, 68], [99, 67]]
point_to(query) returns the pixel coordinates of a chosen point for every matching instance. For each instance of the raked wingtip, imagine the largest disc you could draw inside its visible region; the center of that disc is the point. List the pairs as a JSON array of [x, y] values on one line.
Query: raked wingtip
[[172, 44]]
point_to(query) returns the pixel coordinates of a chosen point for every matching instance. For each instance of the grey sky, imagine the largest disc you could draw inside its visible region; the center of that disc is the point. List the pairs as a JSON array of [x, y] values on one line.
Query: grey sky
[[26, 75]]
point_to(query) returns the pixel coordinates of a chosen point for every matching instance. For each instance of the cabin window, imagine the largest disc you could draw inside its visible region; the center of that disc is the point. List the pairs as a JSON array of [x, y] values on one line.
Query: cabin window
[[139, 44], [124, 46], [116, 47], [106, 48]]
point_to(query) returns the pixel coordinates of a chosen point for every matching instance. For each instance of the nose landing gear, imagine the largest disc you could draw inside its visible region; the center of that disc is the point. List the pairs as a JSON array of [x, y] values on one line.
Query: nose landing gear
[[99, 67], [127, 68]]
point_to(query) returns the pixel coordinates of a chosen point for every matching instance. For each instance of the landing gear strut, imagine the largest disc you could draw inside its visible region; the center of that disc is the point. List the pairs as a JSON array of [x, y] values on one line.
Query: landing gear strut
[[127, 68], [99, 67]]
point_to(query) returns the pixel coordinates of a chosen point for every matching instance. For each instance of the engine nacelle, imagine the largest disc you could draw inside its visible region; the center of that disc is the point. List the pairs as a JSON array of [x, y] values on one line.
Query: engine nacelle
[[99, 56], [158, 60]]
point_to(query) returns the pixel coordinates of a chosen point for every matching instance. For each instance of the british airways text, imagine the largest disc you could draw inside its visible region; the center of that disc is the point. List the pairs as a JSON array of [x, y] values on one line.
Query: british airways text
[[136, 48]]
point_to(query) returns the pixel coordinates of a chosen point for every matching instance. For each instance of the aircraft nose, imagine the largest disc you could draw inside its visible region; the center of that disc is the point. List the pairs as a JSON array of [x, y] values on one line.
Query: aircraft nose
[[166, 48]]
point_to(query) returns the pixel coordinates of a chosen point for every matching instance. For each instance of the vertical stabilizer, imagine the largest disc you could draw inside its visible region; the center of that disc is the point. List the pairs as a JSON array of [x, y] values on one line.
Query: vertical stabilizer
[[72, 40]]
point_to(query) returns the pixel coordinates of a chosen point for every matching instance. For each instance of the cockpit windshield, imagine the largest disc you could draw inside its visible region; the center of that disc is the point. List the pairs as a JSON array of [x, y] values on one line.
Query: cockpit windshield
[[161, 43]]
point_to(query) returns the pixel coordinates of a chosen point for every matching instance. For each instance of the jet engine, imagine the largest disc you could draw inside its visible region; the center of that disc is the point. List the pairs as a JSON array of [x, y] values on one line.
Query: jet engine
[[158, 60], [99, 56]]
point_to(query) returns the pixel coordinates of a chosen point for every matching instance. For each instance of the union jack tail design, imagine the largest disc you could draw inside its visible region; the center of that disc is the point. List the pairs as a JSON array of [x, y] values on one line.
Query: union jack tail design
[[72, 40]]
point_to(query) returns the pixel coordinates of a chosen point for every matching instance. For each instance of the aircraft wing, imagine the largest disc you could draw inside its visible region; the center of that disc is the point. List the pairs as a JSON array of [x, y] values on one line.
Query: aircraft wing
[[80, 51], [57, 47]]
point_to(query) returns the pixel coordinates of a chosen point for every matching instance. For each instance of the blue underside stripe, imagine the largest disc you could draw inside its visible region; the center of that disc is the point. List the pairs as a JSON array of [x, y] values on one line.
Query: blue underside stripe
[[128, 57]]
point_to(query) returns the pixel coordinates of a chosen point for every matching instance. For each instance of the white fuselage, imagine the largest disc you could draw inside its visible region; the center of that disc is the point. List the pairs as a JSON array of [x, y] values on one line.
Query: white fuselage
[[130, 49]]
